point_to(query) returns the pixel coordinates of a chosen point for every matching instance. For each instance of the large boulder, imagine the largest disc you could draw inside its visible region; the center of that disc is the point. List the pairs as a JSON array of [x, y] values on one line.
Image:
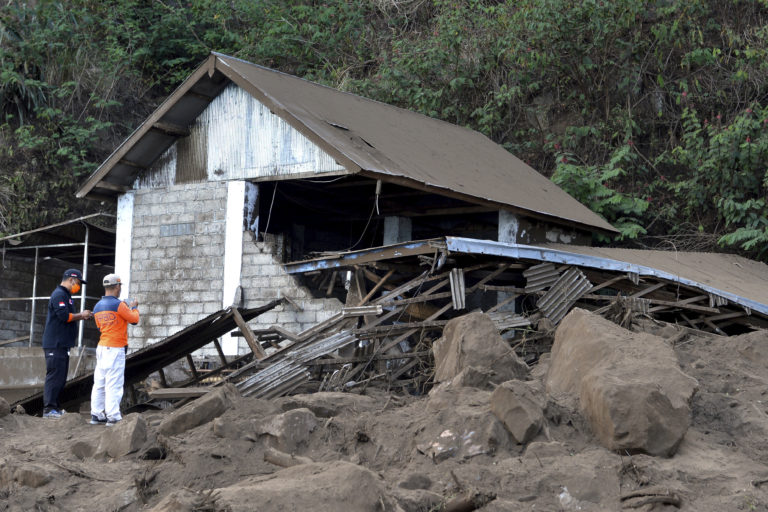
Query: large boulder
[[473, 341], [628, 385], [201, 411]]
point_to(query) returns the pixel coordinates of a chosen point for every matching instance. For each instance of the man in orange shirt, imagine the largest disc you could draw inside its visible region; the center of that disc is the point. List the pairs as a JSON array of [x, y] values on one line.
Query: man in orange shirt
[[112, 318]]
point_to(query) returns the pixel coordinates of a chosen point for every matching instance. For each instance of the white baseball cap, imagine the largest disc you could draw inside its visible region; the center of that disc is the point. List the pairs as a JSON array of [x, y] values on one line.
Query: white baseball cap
[[111, 280]]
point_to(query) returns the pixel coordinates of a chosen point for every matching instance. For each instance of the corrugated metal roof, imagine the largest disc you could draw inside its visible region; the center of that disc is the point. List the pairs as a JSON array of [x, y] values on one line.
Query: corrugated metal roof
[[740, 280], [365, 136]]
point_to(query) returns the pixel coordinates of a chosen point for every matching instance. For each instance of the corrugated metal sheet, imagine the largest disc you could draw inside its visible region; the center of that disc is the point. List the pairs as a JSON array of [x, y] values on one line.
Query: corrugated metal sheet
[[561, 297], [540, 277], [246, 140], [458, 289], [291, 369]]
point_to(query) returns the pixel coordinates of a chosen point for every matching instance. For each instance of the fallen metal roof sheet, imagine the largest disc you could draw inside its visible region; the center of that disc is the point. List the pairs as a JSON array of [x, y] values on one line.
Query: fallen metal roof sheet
[[740, 280], [140, 364], [373, 138]]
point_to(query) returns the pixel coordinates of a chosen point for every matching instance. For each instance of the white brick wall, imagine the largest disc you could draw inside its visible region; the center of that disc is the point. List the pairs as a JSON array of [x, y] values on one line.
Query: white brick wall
[[176, 278]]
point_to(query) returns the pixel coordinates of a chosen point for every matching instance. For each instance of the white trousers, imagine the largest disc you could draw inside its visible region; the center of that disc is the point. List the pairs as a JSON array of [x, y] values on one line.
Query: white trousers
[[108, 383]]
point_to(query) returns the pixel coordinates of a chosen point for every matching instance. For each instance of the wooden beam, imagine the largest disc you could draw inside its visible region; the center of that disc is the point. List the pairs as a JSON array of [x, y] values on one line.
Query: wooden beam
[[648, 290], [679, 303], [112, 186], [191, 363], [171, 129], [130, 163], [607, 283], [377, 286], [258, 352], [221, 352]]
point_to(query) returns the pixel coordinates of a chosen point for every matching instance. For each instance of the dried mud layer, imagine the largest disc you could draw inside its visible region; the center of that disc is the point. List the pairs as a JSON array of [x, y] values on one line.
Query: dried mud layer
[[381, 451]]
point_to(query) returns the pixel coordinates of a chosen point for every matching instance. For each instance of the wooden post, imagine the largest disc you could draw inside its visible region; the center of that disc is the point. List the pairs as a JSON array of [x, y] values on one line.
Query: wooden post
[[221, 352], [250, 338]]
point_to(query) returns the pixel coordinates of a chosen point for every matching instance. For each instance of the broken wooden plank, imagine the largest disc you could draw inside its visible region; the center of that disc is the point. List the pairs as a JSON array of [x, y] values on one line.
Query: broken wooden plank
[[192, 366], [14, 340], [607, 283], [388, 329], [250, 338], [648, 290], [173, 393], [376, 287], [284, 460], [665, 304], [221, 352]]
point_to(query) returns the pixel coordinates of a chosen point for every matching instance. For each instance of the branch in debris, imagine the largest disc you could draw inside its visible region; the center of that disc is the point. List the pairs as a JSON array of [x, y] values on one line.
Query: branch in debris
[[284, 460]]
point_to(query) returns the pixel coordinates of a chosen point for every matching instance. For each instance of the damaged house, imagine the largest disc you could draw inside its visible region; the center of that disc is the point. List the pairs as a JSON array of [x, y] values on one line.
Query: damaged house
[[339, 235], [244, 168]]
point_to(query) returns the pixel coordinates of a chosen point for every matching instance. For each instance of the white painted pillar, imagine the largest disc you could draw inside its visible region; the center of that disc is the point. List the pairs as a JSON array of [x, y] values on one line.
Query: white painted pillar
[[123, 234], [233, 254], [397, 229], [509, 226]]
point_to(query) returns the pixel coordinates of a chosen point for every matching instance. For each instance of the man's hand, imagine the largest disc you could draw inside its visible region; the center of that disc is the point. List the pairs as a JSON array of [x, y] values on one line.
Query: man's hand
[[86, 314], [133, 304]]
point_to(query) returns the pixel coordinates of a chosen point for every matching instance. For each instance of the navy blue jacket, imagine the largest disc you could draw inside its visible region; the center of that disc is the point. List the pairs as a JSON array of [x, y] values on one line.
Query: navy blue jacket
[[59, 333]]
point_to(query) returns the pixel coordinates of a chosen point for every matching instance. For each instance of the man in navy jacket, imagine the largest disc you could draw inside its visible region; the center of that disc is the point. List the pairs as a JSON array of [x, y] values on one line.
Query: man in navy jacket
[[59, 336]]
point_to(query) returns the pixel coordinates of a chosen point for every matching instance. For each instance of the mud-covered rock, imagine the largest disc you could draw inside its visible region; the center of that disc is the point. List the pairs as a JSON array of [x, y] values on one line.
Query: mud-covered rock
[[515, 404], [328, 403], [200, 411], [127, 436], [288, 431], [338, 486], [462, 425], [473, 340], [628, 385]]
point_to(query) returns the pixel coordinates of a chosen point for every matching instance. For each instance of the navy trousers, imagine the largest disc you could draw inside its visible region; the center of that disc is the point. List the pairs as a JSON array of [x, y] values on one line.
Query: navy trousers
[[56, 368]]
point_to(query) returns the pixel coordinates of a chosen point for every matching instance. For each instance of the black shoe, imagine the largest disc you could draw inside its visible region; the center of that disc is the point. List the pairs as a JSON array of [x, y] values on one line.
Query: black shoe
[[96, 421]]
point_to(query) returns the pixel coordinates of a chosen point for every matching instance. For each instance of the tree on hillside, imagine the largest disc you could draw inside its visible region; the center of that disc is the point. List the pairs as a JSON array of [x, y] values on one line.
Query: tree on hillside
[[652, 113]]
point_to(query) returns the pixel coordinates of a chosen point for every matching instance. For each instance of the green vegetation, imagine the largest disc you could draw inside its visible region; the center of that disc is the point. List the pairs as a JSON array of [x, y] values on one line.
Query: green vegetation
[[654, 114]]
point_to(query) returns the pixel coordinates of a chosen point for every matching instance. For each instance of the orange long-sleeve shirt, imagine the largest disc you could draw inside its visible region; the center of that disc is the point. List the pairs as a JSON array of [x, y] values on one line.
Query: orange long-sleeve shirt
[[112, 318]]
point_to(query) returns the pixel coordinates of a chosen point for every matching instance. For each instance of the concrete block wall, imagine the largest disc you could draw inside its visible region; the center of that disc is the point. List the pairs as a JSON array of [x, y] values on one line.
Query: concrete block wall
[[177, 268], [177, 262], [264, 279], [17, 276]]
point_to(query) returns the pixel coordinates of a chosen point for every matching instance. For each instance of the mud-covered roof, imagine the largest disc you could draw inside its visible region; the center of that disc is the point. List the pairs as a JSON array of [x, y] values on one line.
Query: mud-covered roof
[[371, 138]]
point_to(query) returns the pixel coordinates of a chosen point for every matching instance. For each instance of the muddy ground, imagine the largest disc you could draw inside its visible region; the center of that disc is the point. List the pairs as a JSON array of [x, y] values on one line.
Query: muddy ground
[[376, 450]]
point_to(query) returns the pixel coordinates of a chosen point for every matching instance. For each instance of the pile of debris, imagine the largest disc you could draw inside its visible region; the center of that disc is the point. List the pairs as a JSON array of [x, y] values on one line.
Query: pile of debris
[[654, 418]]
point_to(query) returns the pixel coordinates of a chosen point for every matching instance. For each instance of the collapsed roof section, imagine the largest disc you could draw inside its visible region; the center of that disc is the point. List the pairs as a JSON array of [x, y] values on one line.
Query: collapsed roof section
[[710, 291], [366, 137]]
